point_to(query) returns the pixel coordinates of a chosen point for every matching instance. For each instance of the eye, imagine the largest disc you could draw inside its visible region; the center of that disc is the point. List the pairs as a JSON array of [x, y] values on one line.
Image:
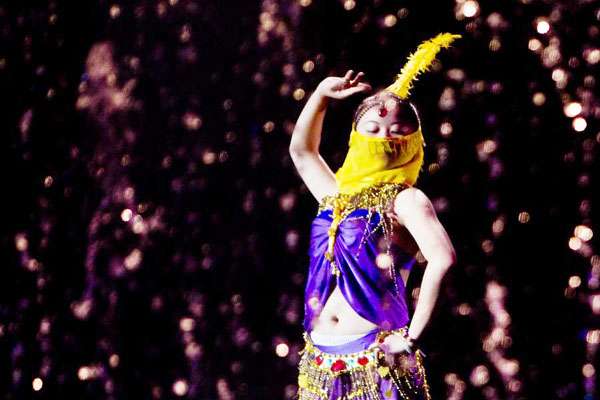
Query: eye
[[403, 129], [396, 130], [372, 128]]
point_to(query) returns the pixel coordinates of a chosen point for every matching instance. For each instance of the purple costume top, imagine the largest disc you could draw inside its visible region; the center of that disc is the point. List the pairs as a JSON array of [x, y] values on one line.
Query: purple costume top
[[368, 289]]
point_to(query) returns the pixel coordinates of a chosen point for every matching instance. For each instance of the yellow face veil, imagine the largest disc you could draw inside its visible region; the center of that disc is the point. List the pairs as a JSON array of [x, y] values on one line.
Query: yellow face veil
[[372, 160]]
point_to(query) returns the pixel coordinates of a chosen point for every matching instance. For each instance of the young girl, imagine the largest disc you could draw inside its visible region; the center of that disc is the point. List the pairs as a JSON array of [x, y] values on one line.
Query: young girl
[[370, 224]]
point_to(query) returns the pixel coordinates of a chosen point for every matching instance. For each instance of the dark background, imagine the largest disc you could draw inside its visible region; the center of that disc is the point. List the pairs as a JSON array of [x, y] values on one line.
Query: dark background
[[155, 231]]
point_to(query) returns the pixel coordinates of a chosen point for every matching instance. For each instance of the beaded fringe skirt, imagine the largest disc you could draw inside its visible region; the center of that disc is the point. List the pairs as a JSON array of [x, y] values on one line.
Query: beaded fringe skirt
[[336, 374]]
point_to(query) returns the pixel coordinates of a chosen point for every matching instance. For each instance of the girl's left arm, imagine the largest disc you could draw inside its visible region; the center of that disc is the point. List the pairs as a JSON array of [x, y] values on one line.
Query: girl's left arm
[[415, 211]]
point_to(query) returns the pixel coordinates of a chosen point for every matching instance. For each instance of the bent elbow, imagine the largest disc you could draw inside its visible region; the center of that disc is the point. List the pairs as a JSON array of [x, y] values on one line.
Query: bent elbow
[[296, 154], [447, 257], [295, 150], [452, 259], [299, 153], [445, 262]]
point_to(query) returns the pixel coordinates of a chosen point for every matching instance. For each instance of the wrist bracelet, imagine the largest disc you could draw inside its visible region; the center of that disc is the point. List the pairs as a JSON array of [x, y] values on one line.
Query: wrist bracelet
[[413, 344]]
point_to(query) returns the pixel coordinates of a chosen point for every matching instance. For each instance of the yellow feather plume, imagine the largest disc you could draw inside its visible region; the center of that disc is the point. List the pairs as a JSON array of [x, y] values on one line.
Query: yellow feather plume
[[418, 62]]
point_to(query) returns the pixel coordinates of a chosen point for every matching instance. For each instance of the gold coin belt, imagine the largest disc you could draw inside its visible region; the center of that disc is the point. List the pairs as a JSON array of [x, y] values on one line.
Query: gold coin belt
[[319, 370]]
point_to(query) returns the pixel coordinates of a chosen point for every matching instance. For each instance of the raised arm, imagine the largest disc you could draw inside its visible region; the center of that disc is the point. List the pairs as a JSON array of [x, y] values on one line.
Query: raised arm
[[415, 211], [304, 146]]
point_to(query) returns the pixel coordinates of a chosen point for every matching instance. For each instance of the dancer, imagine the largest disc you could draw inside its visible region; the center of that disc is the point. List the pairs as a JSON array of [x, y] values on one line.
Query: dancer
[[370, 223]]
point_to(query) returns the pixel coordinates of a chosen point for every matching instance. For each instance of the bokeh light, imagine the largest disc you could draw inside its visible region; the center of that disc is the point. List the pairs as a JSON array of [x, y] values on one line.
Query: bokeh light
[[37, 384], [542, 26], [157, 230]]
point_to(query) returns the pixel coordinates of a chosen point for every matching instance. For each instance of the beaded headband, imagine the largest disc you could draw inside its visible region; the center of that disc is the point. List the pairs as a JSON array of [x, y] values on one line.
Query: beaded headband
[[377, 100]]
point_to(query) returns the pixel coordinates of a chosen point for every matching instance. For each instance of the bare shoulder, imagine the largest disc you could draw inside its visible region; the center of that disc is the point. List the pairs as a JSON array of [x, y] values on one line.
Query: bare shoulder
[[411, 196], [410, 200], [418, 215]]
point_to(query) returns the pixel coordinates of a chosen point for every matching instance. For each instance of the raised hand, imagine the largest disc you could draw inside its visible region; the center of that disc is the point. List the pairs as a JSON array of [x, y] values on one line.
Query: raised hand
[[340, 88]]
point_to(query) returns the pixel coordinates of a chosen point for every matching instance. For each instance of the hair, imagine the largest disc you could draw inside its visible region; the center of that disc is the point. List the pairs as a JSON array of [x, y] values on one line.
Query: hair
[[379, 98]]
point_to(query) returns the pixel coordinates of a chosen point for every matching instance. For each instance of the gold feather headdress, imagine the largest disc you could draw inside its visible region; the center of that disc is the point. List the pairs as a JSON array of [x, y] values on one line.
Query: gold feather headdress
[[418, 62]]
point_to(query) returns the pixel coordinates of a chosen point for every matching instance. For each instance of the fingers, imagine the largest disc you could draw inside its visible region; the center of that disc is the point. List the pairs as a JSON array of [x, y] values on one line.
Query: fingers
[[361, 87], [390, 358], [364, 86], [373, 346], [352, 82], [356, 79], [348, 75], [347, 87]]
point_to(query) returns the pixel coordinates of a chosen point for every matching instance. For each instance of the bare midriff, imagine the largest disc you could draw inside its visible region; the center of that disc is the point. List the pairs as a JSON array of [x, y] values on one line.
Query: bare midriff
[[339, 318]]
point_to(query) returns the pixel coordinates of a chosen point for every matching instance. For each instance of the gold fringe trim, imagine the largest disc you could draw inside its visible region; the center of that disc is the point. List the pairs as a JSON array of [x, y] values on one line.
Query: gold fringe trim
[[317, 375], [375, 197]]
